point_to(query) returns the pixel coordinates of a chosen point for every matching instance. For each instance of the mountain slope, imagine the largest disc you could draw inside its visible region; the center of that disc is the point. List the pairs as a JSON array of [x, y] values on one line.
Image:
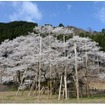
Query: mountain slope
[[17, 28], [14, 29]]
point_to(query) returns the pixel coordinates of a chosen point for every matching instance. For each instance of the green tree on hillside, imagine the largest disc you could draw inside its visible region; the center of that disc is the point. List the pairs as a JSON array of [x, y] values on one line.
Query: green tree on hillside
[[14, 29]]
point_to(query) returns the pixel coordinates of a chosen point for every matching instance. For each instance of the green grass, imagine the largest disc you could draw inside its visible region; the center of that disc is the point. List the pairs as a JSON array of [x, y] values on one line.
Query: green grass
[[10, 97]]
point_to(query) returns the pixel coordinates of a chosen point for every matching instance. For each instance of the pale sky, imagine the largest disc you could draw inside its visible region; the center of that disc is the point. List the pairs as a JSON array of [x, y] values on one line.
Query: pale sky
[[81, 14]]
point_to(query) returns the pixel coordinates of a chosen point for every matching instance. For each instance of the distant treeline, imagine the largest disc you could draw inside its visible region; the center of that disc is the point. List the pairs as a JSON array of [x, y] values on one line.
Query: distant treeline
[[96, 36], [14, 29]]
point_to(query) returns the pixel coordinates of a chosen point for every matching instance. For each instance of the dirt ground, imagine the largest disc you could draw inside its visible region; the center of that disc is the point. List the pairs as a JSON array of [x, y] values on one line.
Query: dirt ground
[[4, 88]]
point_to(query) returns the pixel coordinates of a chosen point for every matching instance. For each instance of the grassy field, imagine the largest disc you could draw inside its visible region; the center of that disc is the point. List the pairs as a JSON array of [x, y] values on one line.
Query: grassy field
[[10, 97]]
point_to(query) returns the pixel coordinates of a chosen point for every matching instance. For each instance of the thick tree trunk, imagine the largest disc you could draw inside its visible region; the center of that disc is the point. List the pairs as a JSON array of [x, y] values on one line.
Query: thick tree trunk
[[60, 89], [22, 80]]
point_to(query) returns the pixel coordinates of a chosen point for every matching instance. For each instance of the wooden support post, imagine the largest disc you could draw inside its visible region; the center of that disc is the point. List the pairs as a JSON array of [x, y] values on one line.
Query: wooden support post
[[42, 90], [50, 69], [50, 81], [39, 82], [65, 84], [17, 92], [76, 72], [87, 80], [31, 88], [65, 87], [36, 87], [39, 69], [60, 89], [65, 75]]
